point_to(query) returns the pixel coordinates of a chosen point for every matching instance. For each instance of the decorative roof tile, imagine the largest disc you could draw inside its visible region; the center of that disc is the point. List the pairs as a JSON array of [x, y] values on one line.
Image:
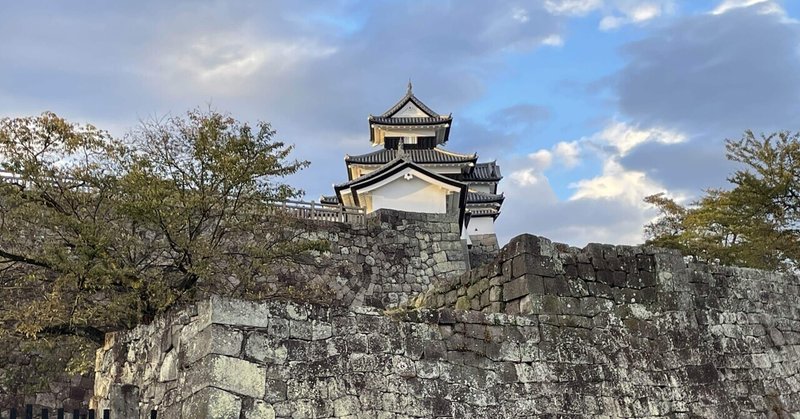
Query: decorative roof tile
[[420, 156], [483, 172]]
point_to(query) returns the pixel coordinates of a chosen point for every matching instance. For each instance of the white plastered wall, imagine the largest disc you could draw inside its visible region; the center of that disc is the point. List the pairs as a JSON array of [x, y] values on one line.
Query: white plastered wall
[[480, 225], [409, 110], [407, 192]]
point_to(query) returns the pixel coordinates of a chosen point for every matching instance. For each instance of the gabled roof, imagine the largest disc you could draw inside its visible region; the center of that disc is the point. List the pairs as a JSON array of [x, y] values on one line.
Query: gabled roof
[[409, 97], [422, 117], [393, 167], [397, 165], [420, 156]]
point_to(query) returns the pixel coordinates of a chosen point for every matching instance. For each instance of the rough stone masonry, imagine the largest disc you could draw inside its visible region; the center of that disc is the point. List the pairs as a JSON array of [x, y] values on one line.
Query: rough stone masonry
[[542, 330], [385, 261]]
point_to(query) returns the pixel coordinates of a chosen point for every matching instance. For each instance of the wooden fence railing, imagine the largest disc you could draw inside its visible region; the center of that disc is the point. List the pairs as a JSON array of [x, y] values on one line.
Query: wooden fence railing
[[321, 212], [299, 209]]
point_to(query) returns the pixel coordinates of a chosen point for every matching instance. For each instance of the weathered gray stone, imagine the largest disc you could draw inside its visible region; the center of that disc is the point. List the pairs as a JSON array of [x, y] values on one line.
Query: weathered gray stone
[[230, 374], [242, 313], [214, 339], [212, 403], [654, 338], [264, 348]]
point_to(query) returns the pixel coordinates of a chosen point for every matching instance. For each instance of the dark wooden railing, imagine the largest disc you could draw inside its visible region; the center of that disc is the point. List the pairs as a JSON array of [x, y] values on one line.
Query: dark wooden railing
[[299, 209]]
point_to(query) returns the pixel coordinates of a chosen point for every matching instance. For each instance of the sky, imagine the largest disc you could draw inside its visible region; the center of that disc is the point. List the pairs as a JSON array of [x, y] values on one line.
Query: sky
[[588, 106]]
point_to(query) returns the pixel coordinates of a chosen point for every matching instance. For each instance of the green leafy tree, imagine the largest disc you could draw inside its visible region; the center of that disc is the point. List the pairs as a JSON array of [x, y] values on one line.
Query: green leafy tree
[[98, 234], [755, 223]]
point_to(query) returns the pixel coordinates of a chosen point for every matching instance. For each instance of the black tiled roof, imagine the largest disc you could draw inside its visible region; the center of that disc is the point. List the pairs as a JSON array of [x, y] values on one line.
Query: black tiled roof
[[434, 155], [370, 175], [329, 199], [390, 168], [406, 120], [484, 198], [489, 171]]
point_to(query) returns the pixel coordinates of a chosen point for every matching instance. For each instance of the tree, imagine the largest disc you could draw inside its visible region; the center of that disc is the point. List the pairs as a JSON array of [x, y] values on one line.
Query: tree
[[754, 224], [98, 234]]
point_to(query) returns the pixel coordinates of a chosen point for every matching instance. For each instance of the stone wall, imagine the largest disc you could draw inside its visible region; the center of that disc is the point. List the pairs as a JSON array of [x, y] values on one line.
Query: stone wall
[[394, 256], [484, 249], [601, 332]]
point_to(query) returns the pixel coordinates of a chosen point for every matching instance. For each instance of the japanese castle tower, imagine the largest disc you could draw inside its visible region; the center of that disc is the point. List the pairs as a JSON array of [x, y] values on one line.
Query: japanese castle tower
[[412, 172]]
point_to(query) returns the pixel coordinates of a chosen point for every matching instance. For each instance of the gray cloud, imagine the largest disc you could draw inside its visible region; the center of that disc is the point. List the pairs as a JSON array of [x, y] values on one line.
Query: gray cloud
[[715, 74], [315, 69], [710, 77], [520, 116], [691, 167]]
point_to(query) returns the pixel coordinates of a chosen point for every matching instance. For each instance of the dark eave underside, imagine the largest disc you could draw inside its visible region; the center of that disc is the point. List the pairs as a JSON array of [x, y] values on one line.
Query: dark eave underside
[[430, 156]]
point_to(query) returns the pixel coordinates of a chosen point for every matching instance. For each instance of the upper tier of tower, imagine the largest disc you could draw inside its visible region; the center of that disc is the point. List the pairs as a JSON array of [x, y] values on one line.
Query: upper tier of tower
[[409, 124]]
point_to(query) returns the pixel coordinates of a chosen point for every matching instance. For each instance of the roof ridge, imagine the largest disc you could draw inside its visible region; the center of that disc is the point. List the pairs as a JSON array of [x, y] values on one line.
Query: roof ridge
[[453, 153], [409, 96]]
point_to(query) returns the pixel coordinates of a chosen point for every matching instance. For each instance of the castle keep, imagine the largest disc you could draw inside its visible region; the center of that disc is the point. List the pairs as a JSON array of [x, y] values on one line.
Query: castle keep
[[412, 172]]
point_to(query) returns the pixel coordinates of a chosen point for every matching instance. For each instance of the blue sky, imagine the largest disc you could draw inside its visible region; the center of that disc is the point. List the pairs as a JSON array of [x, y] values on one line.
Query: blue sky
[[587, 105]]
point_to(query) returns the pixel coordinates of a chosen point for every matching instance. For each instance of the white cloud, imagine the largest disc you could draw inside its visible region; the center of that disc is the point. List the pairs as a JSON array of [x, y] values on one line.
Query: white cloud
[[568, 153], [616, 183], [526, 177], [625, 137], [765, 6], [636, 12], [645, 12], [228, 60], [607, 208], [553, 40], [542, 159], [572, 7], [520, 15], [610, 22], [615, 12]]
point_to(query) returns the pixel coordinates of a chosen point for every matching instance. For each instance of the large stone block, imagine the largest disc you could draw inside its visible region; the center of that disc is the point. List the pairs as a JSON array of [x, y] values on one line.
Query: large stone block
[[212, 403], [265, 348], [524, 285], [230, 374], [239, 313], [215, 339]]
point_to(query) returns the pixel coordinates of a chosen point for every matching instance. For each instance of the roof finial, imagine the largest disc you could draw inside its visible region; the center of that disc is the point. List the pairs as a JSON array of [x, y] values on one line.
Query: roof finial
[[409, 85]]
